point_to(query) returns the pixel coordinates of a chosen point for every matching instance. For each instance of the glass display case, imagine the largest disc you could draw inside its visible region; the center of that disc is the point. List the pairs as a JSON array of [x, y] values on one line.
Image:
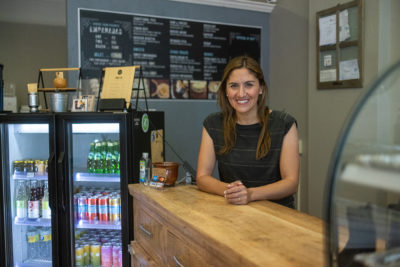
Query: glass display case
[[363, 190]]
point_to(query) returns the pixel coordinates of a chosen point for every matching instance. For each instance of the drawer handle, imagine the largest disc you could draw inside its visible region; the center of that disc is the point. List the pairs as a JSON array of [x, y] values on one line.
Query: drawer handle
[[144, 230], [177, 262]]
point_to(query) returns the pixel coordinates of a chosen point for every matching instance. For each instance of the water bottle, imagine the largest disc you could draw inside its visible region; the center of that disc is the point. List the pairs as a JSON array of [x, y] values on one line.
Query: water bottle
[[32, 236], [145, 169], [45, 244]]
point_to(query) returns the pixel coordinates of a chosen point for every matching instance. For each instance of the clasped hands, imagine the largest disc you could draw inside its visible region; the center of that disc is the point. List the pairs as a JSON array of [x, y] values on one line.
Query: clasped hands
[[236, 193]]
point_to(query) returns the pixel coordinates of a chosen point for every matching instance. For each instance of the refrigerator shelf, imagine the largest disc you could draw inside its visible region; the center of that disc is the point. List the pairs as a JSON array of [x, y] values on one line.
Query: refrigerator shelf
[[29, 222], [34, 263], [96, 177], [98, 225], [30, 177]]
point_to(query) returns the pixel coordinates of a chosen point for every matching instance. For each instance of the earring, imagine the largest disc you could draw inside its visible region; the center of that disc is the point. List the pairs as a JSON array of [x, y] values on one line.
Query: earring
[[260, 93]]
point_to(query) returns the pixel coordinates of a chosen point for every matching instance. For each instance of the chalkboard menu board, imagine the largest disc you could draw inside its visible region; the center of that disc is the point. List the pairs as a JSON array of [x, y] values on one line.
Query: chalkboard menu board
[[179, 58]]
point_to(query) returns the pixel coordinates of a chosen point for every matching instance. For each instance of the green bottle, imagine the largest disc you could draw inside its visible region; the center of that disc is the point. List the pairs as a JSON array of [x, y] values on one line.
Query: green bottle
[[90, 159], [97, 157], [109, 156]]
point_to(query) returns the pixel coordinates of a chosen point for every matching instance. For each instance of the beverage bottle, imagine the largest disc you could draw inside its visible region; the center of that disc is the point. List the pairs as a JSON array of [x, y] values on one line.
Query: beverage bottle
[[32, 236], [103, 156], [144, 168], [21, 200], [45, 244], [117, 153], [46, 212], [97, 157], [33, 201], [114, 157], [90, 159], [109, 158]]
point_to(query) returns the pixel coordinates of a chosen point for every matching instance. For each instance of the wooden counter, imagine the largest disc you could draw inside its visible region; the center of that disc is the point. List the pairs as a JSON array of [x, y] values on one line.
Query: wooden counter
[[183, 220]]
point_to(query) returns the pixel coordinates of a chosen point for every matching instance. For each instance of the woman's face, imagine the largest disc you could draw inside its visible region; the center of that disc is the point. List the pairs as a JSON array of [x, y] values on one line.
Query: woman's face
[[242, 90]]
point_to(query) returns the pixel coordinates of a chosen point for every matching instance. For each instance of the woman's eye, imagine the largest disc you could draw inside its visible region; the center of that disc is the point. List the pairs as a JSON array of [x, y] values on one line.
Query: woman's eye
[[248, 85], [233, 86]]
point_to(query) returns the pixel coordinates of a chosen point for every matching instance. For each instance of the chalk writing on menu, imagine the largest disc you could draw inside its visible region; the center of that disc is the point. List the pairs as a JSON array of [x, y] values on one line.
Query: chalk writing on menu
[[180, 59]]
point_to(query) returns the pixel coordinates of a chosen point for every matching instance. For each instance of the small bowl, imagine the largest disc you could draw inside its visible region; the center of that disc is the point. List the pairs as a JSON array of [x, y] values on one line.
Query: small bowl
[[172, 171]]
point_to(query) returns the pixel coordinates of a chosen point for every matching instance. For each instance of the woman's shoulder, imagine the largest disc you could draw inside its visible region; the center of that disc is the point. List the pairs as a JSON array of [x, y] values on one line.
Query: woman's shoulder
[[213, 119], [281, 115], [278, 117]]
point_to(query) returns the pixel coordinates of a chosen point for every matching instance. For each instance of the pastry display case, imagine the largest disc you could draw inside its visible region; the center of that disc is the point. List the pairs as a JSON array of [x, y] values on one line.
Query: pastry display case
[[363, 188]]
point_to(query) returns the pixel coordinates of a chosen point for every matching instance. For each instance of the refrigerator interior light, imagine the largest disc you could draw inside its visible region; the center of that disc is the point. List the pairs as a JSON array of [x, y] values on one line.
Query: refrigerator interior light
[[31, 128], [95, 128]]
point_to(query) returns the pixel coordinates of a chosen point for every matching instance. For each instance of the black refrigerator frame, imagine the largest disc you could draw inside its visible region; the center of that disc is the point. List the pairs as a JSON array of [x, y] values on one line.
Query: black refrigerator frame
[[5, 212]]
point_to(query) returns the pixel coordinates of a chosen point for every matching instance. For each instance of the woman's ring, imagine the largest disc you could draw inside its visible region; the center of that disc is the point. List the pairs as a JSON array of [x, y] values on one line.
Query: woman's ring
[[239, 198]]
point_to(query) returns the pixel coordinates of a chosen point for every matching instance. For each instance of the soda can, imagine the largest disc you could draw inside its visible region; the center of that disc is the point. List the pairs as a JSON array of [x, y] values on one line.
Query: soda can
[[115, 209], [120, 258], [76, 206], [115, 255], [79, 257], [82, 207], [86, 249], [106, 255], [95, 251], [104, 209], [92, 208]]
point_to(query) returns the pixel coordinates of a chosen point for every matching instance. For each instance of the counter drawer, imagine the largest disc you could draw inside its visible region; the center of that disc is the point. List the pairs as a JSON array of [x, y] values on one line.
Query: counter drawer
[[139, 257], [180, 254], [148, 232]]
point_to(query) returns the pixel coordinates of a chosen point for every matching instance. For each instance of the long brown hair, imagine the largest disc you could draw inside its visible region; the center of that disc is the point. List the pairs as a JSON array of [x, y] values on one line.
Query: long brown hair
[[229, 114]]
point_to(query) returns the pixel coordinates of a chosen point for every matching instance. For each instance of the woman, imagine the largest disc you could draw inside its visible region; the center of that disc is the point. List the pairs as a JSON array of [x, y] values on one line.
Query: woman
[[256, 148]]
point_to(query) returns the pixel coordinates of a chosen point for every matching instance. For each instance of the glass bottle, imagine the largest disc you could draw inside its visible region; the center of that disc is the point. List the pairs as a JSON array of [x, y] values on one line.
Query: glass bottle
[[46, 211], [109, 157], [21, 200], [90, 159], [97, 157], [33, 201]]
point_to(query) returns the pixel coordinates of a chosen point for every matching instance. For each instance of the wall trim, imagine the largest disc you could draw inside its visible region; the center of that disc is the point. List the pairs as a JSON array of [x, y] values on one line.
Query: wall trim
[[252, 5]]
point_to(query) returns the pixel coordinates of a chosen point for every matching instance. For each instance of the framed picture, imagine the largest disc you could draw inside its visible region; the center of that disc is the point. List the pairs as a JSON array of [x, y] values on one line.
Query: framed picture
[[79, 105]]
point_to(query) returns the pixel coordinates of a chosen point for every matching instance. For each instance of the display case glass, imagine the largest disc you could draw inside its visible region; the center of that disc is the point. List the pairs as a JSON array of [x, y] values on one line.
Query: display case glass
[[363, 190]]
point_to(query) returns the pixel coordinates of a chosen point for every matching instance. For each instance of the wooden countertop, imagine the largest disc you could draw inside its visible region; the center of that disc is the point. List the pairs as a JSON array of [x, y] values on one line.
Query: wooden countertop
[[261, 233]]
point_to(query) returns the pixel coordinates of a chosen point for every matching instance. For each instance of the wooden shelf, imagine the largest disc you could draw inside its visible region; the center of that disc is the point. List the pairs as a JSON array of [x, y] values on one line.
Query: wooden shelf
[[59, 69], [56, 89]]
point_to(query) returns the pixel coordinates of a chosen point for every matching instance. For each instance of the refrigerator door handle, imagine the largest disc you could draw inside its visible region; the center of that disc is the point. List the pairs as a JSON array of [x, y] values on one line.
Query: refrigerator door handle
[[50, 170], [60, 163]]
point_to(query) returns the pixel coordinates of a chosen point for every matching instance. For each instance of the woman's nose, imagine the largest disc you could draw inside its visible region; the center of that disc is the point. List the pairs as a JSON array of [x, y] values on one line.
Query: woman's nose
[[242, 91]]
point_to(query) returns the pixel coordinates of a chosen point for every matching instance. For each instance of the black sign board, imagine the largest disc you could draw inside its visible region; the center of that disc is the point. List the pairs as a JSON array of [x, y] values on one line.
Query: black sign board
[[179, 58]]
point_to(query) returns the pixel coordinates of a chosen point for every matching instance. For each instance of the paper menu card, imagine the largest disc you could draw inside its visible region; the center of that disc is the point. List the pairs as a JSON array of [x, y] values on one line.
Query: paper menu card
[[118, 83]]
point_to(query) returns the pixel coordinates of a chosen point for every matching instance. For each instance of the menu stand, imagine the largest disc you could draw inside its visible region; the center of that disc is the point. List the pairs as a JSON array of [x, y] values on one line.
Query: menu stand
[[120, 103]]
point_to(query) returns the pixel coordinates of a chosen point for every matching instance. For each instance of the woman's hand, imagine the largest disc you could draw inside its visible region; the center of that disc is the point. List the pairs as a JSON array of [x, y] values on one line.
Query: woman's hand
[[236, 193]]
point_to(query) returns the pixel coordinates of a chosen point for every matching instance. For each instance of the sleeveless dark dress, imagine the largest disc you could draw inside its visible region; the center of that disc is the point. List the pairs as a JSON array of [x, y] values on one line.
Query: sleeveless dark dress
[[240, 163]]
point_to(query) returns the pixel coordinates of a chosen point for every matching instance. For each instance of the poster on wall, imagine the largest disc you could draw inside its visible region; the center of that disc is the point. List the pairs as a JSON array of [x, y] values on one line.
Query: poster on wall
[[180, 59]]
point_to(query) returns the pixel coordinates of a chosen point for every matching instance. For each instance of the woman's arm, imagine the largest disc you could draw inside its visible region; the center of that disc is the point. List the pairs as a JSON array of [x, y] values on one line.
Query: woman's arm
[[289, 167], [206, 165]]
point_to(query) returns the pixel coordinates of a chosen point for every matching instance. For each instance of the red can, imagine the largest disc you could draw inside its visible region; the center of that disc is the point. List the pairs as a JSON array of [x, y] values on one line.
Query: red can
[[92, 208], [82, 207], [104, 209]]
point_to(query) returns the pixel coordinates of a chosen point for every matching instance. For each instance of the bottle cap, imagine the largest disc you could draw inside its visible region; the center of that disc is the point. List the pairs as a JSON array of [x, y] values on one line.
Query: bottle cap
[[145, 154]]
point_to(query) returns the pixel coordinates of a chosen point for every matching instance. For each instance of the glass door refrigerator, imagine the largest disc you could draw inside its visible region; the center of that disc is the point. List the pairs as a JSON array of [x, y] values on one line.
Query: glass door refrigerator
[[28, 211], [91, 159], [93, 174]]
